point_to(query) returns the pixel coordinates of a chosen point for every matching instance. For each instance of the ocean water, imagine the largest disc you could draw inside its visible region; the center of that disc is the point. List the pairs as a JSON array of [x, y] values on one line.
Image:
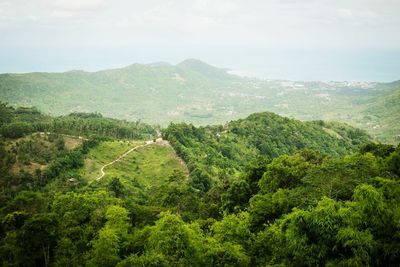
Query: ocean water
[[371, 66], [265, 62]]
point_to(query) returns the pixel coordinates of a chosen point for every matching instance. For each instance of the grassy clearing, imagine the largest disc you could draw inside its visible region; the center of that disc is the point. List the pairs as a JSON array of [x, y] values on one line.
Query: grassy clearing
[[149, 166], [102, 154], [143, 172]]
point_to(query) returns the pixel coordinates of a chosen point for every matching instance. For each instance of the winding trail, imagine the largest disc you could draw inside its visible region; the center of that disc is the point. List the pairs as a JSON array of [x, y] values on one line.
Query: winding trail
[[122, 156]]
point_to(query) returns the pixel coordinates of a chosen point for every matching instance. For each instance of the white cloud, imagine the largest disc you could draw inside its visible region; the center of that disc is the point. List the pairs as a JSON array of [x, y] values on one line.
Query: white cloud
[[344, 13], [63, 14], [323, 23], [32, 18], [73, 4], [210, 7], [4, 3], [273, 25]]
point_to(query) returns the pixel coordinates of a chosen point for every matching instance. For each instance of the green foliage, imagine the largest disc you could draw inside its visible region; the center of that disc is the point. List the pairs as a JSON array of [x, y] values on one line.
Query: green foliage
[[284, 172], [148, 260], [394, 161], [255, 195], [16, 129], [379, 150], [172, 238], [37, 237], [105, 250], [178, 196], [116, 187], [382, 114], [171, 242], [22, 121], [332, 233], [81, 217], [266, 208], [233, 228], [6, 160], [237, 196], [344, 175], [214, 150], [89, 124], [27, 201], [37, 149], [6, 113]]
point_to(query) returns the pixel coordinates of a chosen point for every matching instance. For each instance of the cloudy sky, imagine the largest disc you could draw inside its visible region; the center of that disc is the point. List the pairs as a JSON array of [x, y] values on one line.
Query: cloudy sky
[[286, 39]]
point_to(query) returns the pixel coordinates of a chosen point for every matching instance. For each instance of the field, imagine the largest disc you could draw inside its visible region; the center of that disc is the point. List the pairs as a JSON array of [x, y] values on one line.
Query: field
[[141, 172], [104, 153]]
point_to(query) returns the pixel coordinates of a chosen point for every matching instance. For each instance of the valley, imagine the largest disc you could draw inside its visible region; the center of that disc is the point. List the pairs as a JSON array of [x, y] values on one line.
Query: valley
[[188, 155], [193, 91]]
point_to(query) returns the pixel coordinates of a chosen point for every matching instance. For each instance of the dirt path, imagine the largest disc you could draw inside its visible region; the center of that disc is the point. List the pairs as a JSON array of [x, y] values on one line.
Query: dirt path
[[159, 141], [122, 156]]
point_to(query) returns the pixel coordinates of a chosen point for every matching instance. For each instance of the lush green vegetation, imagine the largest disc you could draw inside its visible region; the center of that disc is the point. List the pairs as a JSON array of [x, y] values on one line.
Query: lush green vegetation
[[198, 93], [18, 122], [104, 153], [215, 151], [261, 191], [144, 175], [382, 114]]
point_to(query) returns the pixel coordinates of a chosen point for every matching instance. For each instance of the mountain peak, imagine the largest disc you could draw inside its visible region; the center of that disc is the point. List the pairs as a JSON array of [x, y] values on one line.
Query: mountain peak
[[193, 62], [159, 64], [203, 68]]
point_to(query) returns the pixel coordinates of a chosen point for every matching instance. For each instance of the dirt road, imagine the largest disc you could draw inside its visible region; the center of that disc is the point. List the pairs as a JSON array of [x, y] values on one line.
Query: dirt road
[[122, 156]]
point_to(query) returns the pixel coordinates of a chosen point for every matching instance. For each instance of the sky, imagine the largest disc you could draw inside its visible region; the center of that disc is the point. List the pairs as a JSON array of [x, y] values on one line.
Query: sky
[[356, 40]]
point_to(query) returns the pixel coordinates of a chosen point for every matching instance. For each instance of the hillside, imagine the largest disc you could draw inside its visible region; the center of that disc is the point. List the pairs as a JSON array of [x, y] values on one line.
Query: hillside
[[120, 148], [382, 114], [18, 122], [195, 92], [214, 151], [258, 191], [154, 93]]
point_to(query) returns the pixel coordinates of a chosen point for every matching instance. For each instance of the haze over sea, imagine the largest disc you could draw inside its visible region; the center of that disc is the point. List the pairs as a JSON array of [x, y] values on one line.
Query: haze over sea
[[261, 62], [297, 40]]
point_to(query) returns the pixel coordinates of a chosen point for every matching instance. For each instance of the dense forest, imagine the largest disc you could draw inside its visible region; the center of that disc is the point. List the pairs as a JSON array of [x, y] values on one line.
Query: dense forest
[[17, 122], [215, 151], [261, 191]]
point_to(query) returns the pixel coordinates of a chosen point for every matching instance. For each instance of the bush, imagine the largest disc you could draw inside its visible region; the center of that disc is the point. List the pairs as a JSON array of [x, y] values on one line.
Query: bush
[[16, 129]]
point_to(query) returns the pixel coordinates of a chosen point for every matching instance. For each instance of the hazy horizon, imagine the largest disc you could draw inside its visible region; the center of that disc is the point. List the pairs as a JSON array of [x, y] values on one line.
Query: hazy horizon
[[294, 40]]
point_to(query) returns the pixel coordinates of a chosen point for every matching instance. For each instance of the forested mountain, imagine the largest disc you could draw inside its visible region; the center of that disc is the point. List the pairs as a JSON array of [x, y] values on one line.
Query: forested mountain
[[213, 151], [193, 91], [264, 190], [153, 92]]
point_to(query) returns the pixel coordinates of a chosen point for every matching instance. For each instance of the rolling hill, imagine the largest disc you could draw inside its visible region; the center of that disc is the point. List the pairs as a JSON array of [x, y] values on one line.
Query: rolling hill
[[244, 194], [215, 151], [196, 92], [382, 114]]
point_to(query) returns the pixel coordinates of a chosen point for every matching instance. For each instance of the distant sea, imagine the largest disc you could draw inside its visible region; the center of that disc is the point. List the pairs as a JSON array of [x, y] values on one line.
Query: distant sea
[[263, 62]]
